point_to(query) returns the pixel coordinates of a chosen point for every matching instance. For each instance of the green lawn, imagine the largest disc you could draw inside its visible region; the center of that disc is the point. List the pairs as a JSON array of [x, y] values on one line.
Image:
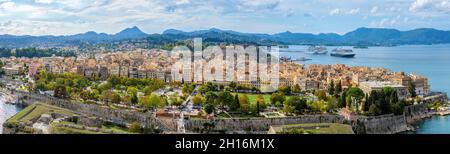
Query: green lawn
[[37, 109], [252, 98], [59, 129], [319, 128], [68, 130]]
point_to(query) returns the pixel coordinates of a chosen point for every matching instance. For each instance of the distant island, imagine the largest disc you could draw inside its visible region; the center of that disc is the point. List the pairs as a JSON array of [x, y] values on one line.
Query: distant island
[[361, 37]]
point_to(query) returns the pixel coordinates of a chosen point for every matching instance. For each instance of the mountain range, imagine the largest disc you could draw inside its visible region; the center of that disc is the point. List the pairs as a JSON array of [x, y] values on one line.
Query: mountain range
[[360, 36]]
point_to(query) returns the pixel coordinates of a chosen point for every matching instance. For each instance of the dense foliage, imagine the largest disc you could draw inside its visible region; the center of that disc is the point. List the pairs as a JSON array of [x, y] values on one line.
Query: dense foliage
[[34, 52]]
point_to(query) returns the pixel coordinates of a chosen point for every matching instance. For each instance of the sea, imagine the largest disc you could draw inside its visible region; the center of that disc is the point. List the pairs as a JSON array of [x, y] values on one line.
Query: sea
[[432, 61], [7, 111]]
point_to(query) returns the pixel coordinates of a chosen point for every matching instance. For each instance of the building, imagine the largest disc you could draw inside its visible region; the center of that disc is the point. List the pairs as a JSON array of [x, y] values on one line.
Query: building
[[421, 83], [13, 70], [370, 86]]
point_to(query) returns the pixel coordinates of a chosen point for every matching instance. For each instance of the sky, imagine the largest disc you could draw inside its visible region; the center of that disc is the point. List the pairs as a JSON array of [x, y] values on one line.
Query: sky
[[67, 17]]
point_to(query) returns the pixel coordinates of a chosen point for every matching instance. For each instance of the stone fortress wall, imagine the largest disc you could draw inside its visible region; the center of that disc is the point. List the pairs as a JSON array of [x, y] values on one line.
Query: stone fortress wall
[[386, 124]]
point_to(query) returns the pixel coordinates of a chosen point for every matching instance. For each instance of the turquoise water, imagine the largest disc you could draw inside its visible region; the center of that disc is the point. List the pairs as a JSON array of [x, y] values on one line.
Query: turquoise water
[[434, 125], [7, 111], [432, 61]]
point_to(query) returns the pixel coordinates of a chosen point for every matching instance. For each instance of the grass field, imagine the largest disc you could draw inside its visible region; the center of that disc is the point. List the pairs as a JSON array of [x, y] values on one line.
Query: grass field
[[318, 128], [36, 110], [252, 98], [61, 129]]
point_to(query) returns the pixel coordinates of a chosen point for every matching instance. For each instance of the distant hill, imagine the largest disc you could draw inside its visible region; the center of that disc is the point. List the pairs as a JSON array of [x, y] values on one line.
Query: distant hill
[[361, 36], [11, 41]]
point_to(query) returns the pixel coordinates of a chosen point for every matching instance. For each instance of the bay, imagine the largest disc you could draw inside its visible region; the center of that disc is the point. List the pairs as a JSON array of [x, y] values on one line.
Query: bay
[[7, 111], [432, 61]]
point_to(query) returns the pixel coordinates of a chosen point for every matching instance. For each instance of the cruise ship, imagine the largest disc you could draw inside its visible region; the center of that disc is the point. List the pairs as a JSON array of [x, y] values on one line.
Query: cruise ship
[[347, 53], [317, 50]]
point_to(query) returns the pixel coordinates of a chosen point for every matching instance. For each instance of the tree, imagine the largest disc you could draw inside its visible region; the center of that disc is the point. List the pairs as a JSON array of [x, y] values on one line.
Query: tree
[[277, 98], [342, 101], [115, 98], [285, 90], [412, 89], [210, 87], [296, 89], [348, 102], [151, 101], [244, 104], [132, 90], [210, 98], [260, 103], [187, 88], [114, 80], [355, 94], [289, 109], [299, 104], [197, 99], [132, 93], [40, 86], [233, 85], [225, 98], [134, 99], [236, 105], [135, 127], [104, 87], [386, 99], [321, 95], [338, 87], [331, 88], [175, 100], [375, 110], [366, 104], [331, 104], [209, 108], [317, 106], [60, 91], [148, 90]]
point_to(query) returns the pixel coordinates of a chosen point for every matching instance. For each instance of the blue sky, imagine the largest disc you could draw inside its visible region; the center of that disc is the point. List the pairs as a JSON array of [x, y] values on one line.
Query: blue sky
[[64, 17]]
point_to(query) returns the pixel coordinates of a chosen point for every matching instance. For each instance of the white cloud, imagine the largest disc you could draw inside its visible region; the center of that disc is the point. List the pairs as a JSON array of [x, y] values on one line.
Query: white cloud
[[180, 2], [335, 12], [44, 1], [354, 11], [110, 16], [430, 6], [344, 12], [374, 10]]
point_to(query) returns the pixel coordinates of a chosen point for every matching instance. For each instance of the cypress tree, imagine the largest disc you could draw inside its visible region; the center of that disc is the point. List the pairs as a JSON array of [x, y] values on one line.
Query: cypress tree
[[331, 88]]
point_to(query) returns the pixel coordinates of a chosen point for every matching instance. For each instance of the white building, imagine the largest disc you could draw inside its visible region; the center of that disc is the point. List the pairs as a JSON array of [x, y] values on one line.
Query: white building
[[369, 86]]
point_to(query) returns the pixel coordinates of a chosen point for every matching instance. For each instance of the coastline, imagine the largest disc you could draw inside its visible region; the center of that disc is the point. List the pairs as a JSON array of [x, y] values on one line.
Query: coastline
[[384, 124]]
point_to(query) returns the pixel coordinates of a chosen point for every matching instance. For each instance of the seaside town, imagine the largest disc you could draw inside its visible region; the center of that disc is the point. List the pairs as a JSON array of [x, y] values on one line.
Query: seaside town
[[141, 82]]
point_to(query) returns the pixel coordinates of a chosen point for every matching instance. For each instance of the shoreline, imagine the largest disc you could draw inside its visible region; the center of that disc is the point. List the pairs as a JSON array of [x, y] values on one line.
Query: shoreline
[[413, 124], [384, 124]]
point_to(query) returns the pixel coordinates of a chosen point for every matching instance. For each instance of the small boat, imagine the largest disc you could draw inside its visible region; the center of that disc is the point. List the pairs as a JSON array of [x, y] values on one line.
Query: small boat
[[346, 53], [284, 46], [302, 59], [360, 47], [317, 50], [289, 59]]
